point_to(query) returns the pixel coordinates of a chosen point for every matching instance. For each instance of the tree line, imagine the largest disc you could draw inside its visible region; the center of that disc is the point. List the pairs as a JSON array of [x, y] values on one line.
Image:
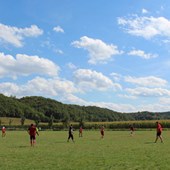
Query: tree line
[[43, 109]]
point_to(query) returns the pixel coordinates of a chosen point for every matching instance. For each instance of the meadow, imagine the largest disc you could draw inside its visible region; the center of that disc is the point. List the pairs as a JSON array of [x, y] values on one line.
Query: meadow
[[117, 151]]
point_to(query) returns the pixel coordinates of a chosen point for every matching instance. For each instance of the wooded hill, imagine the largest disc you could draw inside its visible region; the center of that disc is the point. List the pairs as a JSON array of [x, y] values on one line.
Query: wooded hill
[[45, 110]]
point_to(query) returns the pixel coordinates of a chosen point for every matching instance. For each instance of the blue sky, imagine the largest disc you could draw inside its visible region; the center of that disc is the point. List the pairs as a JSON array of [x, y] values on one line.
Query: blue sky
[[111, 54]]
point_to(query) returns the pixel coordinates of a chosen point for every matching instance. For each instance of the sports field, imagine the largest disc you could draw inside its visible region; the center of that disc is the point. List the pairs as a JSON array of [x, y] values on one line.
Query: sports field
[[117, 151]]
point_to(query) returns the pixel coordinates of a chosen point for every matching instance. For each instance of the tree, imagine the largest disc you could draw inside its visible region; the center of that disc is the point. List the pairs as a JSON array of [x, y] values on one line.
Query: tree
[[66, 119], [51, 120]]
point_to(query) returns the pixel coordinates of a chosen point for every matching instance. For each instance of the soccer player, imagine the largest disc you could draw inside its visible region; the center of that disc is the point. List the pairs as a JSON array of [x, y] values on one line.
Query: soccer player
[[32, 131], [132, 129], [102, 131], [70, 133], [158, 132], [81, 131], [3, 131]]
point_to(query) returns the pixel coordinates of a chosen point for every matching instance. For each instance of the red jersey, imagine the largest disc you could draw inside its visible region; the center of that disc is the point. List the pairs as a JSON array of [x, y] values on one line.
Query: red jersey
[[102, 129], [32, 130], [3, 130], [81, 129], [159, 127]]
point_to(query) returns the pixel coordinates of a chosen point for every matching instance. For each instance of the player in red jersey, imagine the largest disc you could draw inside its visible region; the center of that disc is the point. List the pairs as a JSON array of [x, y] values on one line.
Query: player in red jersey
[[3, 131], [81, 131], [32, 131], [132, 129], [102, 131], [158, 132]]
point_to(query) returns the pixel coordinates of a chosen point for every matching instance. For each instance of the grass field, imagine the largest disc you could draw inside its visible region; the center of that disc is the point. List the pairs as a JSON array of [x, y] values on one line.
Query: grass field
[[117, 151]]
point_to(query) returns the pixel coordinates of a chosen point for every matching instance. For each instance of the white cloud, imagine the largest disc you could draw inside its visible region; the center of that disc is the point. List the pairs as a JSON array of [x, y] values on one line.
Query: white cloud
[[165, 101], [142, 54], [146, 27], [26, 65], [88, 79], [127, 96], [9, 89], [116, 76], [99, 52], [15, 36], [154, 107], [144, 11], [58, 29], [115, 106], [148, 92], [149, 81], [39, 86], [71, 66], [58, 51], [70, 98]]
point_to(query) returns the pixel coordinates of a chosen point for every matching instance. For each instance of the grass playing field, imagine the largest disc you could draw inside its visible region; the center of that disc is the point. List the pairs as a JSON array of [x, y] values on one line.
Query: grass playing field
[[117, 151]]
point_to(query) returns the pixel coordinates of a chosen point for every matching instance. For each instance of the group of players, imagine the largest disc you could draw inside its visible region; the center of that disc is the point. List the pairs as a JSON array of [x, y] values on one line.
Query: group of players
[[132, 129], [33, 131]]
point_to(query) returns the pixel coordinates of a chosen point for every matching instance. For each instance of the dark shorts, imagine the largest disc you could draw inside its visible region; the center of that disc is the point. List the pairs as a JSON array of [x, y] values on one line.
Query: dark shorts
[[32, 137], [158, 133], [70, 136], [102, 133]]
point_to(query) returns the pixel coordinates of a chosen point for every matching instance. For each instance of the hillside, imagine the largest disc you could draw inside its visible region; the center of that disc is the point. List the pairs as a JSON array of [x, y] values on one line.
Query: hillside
[[12, 107], [45, 109], [64, 112]]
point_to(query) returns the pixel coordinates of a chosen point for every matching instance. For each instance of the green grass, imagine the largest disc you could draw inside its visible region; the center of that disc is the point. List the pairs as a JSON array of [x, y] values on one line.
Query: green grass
[[117, 151]]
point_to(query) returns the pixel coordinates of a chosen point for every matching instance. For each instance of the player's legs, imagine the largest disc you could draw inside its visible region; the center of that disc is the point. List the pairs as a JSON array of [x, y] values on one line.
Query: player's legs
[[156, 139], [161, 138], [69, 136], [3, 134], [32, 140], [158, 135], [102, 134]]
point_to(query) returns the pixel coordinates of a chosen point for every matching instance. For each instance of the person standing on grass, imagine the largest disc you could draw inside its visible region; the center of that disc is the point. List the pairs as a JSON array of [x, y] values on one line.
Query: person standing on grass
[[132, 129], [32, 131], [102, 131], [158, 132], [3, 131], [70, 133], [81, 131]]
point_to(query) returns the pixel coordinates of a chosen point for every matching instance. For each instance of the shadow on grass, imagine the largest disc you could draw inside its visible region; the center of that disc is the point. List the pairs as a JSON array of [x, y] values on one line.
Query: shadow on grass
[[62, 141], [22, 146], [149, 142]]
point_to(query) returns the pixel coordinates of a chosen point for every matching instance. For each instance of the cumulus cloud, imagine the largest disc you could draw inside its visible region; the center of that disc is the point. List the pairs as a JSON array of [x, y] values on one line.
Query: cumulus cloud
[[147, 27], [24, 65], [58, 29], [99, 52], [39, 86], [148, 92], [142, 54], [70, 98], [15, 36], [88, 79], [149, 81]]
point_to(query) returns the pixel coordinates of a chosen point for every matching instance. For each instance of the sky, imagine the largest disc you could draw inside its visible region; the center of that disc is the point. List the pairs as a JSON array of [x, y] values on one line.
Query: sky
[[110, 54]]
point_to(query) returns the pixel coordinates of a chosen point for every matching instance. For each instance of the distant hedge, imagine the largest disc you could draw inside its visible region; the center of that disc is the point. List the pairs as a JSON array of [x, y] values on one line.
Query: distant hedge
[[124, 125]]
